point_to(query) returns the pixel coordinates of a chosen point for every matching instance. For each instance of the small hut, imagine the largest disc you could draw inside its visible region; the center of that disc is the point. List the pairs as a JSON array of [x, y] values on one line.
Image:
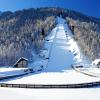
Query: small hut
[[96, 62], [21, 63]]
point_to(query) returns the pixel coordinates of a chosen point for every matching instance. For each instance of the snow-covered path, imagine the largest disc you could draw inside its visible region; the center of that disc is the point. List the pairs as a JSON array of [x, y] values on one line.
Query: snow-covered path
[[60, 58]]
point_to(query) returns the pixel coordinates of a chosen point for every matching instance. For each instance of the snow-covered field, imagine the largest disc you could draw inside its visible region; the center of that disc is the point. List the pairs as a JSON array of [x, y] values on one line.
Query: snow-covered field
[[67, 77], [11, 71], [90, 71], [49, 94]]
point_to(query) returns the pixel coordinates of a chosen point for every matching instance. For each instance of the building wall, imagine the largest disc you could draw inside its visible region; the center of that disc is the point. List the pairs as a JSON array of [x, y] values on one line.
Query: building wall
[[22, 64]]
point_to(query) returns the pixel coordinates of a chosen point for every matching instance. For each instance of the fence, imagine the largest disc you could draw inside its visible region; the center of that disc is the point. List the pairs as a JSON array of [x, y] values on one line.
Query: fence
[[41, 86]]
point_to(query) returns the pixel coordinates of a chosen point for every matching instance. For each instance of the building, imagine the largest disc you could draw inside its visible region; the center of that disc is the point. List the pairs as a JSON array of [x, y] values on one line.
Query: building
[[96, 62], [21, 63]]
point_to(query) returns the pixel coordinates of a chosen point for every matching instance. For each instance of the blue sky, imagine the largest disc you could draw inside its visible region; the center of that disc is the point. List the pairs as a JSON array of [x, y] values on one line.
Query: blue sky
[[89, 7]]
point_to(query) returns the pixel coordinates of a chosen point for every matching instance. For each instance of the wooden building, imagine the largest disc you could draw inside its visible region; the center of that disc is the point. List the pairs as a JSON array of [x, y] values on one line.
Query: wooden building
[[21, 63]]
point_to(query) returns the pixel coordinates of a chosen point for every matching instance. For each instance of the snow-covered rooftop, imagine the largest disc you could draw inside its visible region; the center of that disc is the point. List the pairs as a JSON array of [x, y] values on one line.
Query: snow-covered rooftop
[[96, 61]]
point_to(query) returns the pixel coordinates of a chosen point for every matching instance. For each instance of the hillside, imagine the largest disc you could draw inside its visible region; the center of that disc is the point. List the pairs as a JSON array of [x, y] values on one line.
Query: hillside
[[87, 34], [22, 32]]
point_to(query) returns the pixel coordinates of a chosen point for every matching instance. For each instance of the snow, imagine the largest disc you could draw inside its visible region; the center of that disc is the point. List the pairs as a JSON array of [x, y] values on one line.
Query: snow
[[90, 71], [79, 57], [65, 51], [60, 57], [4, 72], [42, 58], [68, 77], [60, 50], [49, 94]]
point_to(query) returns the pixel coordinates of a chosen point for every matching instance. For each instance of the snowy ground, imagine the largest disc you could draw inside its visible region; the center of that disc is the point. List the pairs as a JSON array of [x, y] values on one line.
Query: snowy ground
[[11, 71], [67, 77], [49, 94], [90, 71], [60, 57]]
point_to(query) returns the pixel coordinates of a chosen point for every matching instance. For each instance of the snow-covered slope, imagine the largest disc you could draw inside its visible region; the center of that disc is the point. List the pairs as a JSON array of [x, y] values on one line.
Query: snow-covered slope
[[60, 58], [65, 51], [6, 72], [62, 51]]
